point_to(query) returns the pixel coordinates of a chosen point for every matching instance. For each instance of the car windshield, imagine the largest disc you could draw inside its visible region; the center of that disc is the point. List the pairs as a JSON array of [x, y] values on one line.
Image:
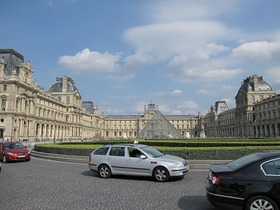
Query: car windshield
[[243, 161], [14, 146], [152, 151]]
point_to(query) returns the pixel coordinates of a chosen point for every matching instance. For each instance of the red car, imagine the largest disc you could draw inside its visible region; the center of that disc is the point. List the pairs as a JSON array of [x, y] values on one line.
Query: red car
[[14, 151]]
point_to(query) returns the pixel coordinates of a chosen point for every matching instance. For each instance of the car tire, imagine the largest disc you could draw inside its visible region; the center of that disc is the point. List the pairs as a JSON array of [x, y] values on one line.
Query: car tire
[[104, 171], [161, 174], [261, 202]]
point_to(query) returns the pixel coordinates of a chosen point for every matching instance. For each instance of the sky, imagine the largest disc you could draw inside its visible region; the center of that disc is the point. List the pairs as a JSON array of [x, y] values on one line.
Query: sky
[[182, 55]]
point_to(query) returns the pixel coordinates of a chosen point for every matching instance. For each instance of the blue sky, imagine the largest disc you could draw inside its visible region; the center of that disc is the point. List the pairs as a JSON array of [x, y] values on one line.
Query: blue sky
[[182, 55]]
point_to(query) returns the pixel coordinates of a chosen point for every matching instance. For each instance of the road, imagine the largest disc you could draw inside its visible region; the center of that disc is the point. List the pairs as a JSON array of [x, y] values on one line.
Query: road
[[50, 185]]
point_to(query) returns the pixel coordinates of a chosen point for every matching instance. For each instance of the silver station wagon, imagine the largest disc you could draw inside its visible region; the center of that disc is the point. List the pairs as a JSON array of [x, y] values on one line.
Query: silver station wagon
[[136, 160]]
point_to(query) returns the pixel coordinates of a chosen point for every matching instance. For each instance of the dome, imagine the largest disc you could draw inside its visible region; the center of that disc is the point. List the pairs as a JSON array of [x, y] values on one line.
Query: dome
[[255, 83], [64, 84]]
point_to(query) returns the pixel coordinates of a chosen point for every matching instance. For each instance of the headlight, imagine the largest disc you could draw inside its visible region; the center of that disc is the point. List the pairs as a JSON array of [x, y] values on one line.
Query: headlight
[[29, 152], [178, 165], [9, 153]]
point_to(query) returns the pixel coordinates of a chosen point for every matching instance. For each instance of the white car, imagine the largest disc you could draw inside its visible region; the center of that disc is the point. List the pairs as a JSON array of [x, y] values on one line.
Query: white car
[[136, 160]]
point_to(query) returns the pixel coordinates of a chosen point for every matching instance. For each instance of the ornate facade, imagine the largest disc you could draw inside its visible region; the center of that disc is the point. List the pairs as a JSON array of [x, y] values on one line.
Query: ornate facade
[[29, 112], [257, 112]]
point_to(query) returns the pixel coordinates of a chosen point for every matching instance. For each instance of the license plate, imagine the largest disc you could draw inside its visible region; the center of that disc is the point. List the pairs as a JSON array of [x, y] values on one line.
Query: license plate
[[21, 156]]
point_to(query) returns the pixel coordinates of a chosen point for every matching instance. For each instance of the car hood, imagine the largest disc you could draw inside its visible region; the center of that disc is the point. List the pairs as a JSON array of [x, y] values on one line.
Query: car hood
[[17, 150], [171, 158]]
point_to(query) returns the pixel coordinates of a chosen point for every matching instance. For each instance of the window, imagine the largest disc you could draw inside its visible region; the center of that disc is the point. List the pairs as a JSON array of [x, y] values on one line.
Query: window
[[117, 151], [101, 151], [5, 88], [134, 152], [272, 167], [3, 104]]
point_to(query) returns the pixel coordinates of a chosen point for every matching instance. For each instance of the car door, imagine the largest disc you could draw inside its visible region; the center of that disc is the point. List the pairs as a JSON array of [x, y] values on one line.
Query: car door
[[137, 165], [117, 159]]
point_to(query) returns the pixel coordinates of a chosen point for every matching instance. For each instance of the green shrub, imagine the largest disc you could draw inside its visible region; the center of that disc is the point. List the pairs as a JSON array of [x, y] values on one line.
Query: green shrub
[[192, 149]]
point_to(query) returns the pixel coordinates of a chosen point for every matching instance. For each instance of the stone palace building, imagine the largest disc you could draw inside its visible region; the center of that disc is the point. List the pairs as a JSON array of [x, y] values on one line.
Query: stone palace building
[[257, 112], [28, 112]]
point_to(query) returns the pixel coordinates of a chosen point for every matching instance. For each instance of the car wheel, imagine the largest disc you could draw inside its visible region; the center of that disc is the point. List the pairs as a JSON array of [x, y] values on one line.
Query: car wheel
[[261, 202], [161, 174], [104, 171], [4, 159]]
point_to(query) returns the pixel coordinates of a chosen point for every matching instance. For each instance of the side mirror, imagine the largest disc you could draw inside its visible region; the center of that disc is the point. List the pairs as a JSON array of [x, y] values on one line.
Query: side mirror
[[143, 156], [2, 147]]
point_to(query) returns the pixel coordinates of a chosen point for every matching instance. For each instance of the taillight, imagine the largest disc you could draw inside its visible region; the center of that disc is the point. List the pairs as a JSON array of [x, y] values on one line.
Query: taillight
[[215, 180]]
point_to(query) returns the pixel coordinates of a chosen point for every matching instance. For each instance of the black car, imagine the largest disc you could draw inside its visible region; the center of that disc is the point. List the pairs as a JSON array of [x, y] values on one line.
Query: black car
[[251, 182]]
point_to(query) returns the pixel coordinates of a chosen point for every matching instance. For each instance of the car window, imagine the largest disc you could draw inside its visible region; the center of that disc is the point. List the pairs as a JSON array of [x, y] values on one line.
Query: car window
[[101, 151], [277, 165], [117, 151], [133, 152], [269, 168], [152, 151]]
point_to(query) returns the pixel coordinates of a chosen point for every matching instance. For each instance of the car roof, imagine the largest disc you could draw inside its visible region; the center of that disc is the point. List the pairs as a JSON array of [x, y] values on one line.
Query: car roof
[[125, 145], [268, 154]]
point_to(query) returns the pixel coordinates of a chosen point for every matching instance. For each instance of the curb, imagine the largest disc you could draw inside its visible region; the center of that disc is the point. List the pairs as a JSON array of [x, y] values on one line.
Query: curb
[[194, 164]]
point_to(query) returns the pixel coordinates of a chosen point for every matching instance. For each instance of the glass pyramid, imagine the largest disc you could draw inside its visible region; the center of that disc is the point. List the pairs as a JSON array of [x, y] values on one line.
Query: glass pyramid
[[159, 128]]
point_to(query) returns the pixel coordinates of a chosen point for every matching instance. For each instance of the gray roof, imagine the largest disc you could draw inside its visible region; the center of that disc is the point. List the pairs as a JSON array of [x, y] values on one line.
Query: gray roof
[[57, 87], [12, 59], [248, 85]]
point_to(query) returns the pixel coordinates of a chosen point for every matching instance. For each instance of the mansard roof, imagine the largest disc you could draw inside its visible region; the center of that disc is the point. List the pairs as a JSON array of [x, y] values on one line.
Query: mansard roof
[[58, 86], [12, 59], [250, 84]]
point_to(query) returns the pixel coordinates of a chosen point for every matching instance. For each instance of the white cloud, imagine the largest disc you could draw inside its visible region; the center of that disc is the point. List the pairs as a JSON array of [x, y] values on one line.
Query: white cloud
[[258, 51], [165, 39], [90, 61], [176, 92]]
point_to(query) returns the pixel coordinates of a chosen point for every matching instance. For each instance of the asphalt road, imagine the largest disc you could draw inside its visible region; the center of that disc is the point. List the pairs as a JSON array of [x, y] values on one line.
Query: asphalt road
[[46, 184]]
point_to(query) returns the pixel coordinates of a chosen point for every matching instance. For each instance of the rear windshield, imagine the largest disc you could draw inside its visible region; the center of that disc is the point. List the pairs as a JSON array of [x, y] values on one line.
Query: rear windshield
[[101, 151], [243, 161]]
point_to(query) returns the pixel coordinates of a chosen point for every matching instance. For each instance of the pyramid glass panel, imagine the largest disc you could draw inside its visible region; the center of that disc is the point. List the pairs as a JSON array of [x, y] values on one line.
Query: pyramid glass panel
[[159, 128]]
